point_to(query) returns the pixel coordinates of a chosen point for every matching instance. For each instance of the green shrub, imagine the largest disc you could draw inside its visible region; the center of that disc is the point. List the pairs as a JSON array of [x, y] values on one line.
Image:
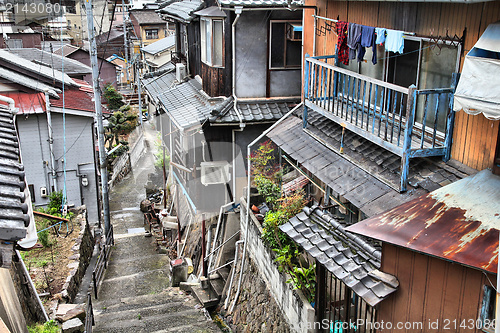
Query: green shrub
[[113, 97], [268, 189], [49, 327]]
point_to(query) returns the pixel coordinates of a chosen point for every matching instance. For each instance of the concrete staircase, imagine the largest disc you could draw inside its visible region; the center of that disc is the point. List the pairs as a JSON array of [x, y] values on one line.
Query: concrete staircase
[[211, 294]]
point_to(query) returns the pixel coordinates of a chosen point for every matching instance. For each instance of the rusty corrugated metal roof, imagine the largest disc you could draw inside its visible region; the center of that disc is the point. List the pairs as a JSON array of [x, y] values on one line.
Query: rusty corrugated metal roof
[[28, 103], [458, 222]]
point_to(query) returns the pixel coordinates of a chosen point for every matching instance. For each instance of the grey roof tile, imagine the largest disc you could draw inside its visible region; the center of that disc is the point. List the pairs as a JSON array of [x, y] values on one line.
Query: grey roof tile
[[256, 111], [181, 10], [53, 60], [345, 259], [186, 104], [14, 216], [259, 3], [160, 45]]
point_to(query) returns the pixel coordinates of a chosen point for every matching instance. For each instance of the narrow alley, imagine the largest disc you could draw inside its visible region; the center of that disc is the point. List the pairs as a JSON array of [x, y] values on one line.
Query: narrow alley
[[135, 295]]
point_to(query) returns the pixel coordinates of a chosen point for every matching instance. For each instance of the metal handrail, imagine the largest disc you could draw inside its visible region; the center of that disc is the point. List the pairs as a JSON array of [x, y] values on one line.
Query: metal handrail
[[89, 314], [102, 261], [218, 247]]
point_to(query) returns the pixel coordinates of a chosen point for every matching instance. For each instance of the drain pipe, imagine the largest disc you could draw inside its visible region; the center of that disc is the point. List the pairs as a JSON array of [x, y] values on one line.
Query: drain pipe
[[232, 274], [237, 10], [51, 142], [10, 101], [248, 198]]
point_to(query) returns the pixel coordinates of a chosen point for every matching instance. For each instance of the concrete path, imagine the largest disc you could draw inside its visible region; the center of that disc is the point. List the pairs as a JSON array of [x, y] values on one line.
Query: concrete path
[[135, 295]]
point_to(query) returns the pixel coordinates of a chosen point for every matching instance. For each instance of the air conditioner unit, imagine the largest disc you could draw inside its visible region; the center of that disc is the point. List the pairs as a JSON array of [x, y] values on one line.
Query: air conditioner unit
[[215, 173], [180, 72]]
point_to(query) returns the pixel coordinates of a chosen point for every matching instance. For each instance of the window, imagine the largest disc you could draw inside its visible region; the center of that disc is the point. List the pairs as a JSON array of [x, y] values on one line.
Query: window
[[31, 189], [424, 63], [151, 33], [212, 41], [487, 314], [286, 45]]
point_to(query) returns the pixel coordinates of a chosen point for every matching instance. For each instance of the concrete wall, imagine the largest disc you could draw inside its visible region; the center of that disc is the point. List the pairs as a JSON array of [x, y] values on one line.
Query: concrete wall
[[251, 59], [298, 312], [161, 58], [79, 159], [10, 307]]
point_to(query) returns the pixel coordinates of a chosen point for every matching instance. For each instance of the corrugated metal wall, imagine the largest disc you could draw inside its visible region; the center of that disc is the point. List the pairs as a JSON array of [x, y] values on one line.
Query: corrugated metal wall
[[33, 136], [431, 289], [475, 137]]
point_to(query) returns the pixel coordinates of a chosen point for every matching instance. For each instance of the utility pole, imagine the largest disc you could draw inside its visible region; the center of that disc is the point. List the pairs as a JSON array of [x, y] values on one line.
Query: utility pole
[[125, 40], [139, 89], [98, 115]]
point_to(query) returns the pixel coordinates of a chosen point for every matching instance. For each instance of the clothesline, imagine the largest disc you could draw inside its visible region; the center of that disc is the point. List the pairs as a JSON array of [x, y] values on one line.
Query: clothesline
[[333, 20]]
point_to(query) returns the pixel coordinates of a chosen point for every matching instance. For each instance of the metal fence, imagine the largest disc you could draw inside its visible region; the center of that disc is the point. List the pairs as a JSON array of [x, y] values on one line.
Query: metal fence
[[102, 261], [89, 315]]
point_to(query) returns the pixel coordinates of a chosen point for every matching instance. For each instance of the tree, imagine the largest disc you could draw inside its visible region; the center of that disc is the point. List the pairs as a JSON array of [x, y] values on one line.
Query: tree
[[120, 123], [113, 97]]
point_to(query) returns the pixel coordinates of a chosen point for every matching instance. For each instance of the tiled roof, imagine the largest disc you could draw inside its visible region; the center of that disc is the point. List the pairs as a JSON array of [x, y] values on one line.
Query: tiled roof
[[428, 174], [257, 111], [182, 10], [75, 99], [343, 176], [16, 61], [113, 34], [259, 3], [160, 45], [156, 86], [186, 104], [53, 60], [349, 257], [28, 82], [28, 103], [148, 16], [66, 50], [14, 216]]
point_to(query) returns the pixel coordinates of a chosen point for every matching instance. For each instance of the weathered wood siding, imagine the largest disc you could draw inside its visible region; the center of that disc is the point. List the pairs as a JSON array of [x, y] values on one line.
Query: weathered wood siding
[[213, 80], [431, 289], [475, 137]]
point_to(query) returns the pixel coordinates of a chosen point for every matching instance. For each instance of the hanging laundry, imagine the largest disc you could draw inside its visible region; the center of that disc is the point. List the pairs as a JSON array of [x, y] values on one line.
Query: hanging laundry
[[368, 40], [353, 39], [342, 48], [394, 41], [380, 35]]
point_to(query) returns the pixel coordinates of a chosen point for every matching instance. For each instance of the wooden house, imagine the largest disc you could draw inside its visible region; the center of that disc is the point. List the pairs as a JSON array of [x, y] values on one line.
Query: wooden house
[[377, 134]]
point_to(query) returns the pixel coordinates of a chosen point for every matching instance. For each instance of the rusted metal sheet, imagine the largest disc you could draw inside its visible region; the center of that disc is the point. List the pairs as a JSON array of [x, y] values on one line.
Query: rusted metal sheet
[[458, 222]]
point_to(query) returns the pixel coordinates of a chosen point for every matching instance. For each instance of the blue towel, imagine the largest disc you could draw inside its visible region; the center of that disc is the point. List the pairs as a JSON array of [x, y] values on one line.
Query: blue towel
[[394, 41], [380, 35]]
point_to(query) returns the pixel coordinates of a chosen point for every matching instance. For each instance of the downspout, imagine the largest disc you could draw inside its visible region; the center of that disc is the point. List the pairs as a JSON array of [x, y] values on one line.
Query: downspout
[[234, 158], [248, 199], [237, 11], [51, 142]]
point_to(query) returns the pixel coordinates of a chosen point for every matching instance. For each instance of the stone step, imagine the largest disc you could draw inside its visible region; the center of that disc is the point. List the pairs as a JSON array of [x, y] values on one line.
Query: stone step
[[135, 284], [207, 297], [151, 323], [218, 286], [135, 302], [192, 328], [224, 273]]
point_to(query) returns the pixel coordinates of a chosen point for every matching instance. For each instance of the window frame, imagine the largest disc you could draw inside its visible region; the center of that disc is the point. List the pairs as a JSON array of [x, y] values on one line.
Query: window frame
[[488, 291], [204, 43], [147, 31], [388, 58], [285, 67]]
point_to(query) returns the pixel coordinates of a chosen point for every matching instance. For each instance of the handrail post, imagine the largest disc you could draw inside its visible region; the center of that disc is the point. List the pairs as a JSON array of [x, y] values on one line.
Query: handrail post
[[95, 284], [306, 90], [450, 121], [203, 247], [410, 118]]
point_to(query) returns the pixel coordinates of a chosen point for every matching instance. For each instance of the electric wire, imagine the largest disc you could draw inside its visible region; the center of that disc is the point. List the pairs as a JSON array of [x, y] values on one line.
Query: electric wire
[[65, 198]]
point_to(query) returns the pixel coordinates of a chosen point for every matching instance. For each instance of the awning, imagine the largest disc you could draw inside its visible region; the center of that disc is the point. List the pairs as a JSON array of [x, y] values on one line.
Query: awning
[[477, 90]]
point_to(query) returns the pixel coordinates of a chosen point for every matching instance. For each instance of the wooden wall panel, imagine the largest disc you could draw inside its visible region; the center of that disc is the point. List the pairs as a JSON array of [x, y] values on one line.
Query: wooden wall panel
[[475, 137], [430, 289]]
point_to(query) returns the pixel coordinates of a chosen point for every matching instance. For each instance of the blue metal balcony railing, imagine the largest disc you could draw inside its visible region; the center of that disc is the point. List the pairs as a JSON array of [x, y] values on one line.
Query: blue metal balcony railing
[[381, 112]]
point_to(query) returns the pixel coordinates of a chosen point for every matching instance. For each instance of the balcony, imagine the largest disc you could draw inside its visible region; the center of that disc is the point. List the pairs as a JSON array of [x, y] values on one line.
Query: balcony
[[408, 122]]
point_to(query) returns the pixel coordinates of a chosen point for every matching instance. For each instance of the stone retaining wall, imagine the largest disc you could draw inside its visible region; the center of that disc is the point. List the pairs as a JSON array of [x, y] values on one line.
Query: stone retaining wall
[[299, 313], [257, 310], [79, 259]]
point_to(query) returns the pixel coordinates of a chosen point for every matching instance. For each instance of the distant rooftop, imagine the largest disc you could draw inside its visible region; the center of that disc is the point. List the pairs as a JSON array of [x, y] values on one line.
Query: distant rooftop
[[160, 45]]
